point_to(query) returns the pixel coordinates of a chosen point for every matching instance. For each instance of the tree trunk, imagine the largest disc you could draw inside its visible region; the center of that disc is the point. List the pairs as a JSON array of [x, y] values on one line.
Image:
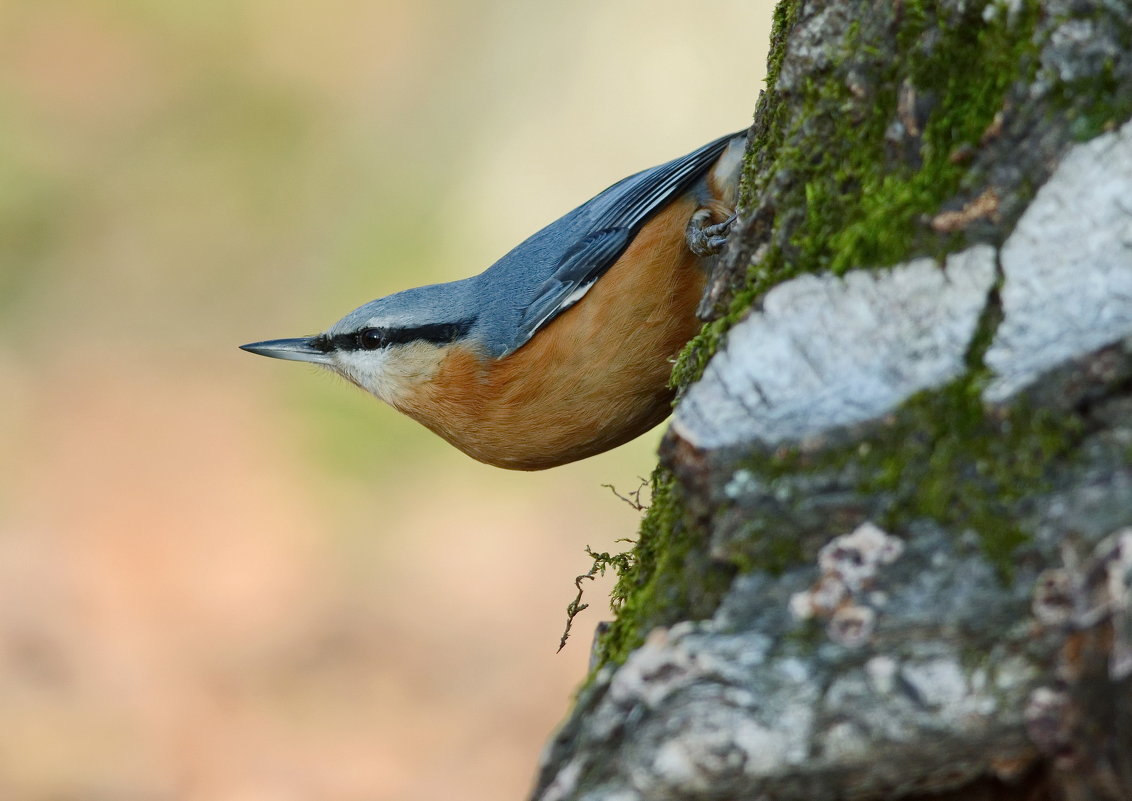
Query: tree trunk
[[889, 552]]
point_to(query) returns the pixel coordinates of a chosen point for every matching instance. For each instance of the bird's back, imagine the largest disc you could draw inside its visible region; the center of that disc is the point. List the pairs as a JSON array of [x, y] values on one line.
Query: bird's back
[[552, 269]]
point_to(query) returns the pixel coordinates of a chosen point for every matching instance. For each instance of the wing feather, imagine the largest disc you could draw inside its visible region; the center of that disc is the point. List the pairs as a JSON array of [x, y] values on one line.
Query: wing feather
[[640, 197]]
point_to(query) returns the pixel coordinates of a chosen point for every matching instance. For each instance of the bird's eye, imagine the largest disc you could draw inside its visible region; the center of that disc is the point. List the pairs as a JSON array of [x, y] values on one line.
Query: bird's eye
[[371, 338]]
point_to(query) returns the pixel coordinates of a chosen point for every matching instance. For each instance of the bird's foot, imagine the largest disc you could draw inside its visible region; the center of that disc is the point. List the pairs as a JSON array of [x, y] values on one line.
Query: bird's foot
[[707, 240]]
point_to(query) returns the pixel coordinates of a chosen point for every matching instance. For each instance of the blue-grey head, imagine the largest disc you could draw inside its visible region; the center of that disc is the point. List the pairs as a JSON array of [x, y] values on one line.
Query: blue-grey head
[[391, 345]]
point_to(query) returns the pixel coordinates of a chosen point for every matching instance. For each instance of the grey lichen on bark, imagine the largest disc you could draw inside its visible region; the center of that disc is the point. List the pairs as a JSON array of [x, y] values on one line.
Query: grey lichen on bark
[[890, 553]]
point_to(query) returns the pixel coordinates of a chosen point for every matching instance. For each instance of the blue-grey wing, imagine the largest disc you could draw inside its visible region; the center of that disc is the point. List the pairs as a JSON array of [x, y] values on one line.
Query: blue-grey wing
[[578, 270], [621, 211]]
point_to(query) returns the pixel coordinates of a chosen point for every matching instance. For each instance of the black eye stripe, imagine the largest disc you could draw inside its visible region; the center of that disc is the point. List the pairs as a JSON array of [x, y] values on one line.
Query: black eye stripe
[[436, 333]]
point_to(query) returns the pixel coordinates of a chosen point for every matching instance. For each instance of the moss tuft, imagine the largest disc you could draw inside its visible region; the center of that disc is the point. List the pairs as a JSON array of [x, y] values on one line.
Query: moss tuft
[[668, 577]]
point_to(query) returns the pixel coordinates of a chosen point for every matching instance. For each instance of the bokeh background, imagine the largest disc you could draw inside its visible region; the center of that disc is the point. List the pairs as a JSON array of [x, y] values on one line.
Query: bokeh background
[[226, 578]]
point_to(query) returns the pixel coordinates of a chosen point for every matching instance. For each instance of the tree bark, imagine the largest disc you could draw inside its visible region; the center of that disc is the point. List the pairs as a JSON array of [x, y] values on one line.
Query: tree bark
[[889, 552]]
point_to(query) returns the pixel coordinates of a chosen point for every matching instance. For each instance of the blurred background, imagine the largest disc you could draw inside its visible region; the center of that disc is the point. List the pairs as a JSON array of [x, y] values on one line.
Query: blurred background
[[226, 578]]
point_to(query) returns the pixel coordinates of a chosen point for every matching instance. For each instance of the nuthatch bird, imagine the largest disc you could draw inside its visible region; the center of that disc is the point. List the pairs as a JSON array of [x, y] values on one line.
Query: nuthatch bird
[[561, 349]]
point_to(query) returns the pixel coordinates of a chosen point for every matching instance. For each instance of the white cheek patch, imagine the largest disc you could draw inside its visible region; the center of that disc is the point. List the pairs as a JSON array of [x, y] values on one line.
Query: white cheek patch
[[390, 374], [366, 369]]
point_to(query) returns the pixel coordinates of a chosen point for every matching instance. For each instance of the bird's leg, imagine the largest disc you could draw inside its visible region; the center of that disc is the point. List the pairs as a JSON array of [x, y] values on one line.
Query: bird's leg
[[707, 240]]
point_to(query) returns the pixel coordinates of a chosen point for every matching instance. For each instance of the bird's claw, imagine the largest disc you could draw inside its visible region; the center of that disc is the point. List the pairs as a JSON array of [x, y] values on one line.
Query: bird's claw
[[707, 240]]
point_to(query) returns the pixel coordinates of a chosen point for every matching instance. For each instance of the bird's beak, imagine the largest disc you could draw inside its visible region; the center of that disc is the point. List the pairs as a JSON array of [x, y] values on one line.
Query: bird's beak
[[301, 349]]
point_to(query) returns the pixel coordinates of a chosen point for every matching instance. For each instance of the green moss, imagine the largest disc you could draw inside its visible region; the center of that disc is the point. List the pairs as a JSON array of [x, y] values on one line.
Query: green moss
[[942, 456], [951, 460], [785, 17], [668, 578]]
